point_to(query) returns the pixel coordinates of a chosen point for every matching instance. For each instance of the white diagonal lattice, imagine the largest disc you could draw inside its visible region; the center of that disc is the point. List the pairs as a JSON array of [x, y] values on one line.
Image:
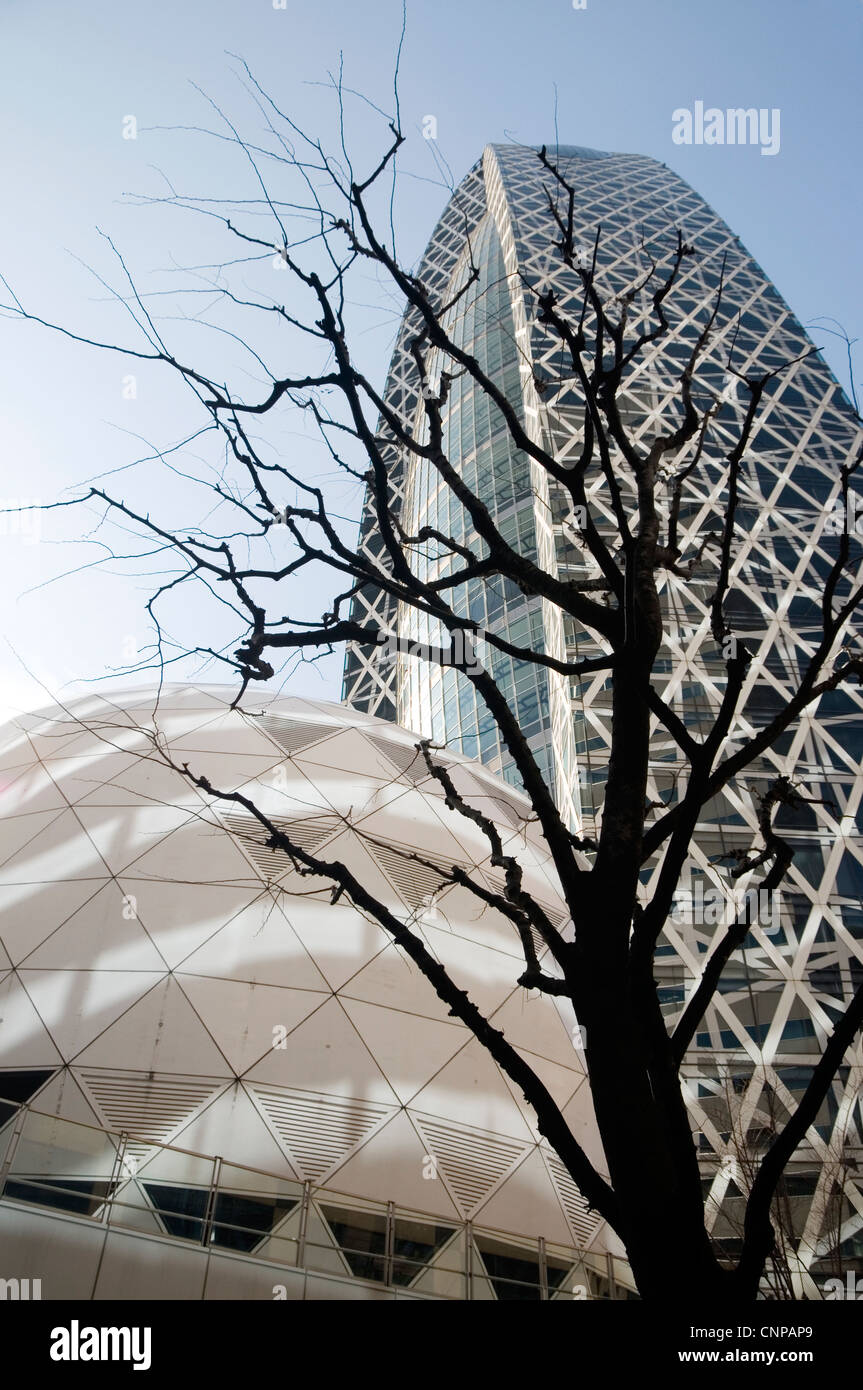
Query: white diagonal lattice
[[780, 996]]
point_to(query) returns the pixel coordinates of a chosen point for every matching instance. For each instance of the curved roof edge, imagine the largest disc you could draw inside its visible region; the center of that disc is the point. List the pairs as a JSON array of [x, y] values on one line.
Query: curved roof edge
[[558, 151]]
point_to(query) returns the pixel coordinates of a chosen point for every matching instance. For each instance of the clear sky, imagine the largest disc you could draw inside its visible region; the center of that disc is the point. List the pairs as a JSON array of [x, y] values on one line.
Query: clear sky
[[487, 70]]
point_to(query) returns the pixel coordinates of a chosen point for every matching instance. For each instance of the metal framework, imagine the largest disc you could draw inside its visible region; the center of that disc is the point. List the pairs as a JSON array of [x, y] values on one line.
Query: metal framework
[[780, 994]]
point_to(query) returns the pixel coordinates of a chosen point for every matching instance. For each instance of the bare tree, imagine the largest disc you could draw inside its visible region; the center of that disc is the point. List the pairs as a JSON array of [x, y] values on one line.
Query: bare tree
[[809, 1198], [329, 228]]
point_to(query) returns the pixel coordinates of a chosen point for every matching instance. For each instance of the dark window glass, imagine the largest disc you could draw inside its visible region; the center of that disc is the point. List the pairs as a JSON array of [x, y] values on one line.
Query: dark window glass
[[83, 1196], [16, 1088], [514, 1274]]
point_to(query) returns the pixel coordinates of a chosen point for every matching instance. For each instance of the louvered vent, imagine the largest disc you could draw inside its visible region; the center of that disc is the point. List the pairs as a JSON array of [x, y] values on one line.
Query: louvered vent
[[415, 882], [501, 809], [554, 914], [472, 1161], [504, 810], [308, 833], [559, 918], [318, 1131], [514, 811], [409, 760], [584, 1223], [145, 1107], [294, 734]]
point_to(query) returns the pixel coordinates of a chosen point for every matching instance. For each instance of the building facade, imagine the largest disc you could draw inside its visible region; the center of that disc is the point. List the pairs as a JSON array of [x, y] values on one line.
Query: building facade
[[803, 959], [216, 1080]]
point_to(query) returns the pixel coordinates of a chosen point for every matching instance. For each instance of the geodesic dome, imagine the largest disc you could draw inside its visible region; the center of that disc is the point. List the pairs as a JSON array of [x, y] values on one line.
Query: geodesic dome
[[167, 977]]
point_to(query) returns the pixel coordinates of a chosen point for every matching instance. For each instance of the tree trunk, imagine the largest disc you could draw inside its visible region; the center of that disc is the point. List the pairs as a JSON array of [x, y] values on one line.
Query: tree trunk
[[652, 1166]]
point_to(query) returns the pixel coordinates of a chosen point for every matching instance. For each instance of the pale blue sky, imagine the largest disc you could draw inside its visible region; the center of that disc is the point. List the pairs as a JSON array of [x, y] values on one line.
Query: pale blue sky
[[487, 71]]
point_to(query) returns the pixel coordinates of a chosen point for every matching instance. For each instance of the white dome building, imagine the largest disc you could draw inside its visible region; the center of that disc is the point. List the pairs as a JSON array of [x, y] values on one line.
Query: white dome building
[[216, 1082]]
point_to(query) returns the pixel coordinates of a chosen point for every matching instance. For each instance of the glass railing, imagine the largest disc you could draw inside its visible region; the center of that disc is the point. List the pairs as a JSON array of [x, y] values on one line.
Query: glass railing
[[128, 1182]]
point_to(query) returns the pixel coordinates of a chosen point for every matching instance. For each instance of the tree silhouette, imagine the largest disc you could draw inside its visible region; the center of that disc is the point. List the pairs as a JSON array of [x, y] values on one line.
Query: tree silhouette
[[271, 537]]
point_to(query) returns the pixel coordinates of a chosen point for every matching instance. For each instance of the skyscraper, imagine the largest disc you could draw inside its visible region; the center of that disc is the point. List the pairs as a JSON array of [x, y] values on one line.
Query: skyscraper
[[496, 243]]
